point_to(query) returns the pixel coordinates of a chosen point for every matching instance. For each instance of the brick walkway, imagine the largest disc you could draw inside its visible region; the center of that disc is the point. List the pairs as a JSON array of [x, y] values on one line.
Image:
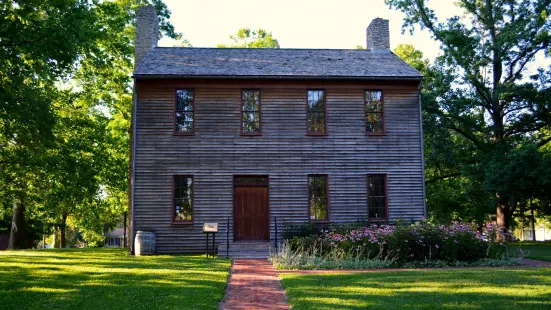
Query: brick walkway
[[254, 284]]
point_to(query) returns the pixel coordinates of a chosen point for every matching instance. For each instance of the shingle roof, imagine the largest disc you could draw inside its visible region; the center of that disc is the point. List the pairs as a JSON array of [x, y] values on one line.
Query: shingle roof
[[266, 63]]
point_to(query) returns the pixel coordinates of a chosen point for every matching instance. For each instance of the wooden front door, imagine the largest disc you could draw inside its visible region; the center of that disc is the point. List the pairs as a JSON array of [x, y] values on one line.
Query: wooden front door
[[250, 209]]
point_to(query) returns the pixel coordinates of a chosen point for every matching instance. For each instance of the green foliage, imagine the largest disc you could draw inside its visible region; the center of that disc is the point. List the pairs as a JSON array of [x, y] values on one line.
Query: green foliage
[[65, 108], [300, 230], [247, 38], [480, 97], [400, 244]]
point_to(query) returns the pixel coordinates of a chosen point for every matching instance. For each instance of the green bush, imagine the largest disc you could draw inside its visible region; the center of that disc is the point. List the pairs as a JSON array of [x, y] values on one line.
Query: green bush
[[419, 244]]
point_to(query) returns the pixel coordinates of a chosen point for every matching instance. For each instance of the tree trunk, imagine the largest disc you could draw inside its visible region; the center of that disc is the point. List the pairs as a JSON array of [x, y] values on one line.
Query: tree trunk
[[124, 234], [130, 171], [533, 223], [17, 234], [62, 242], [503, 216]]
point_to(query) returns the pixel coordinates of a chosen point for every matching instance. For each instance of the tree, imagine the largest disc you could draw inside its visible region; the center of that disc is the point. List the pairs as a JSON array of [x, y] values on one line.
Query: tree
[[493, 104], [87, 44], [247, 38], [39, 43], [454, 187]]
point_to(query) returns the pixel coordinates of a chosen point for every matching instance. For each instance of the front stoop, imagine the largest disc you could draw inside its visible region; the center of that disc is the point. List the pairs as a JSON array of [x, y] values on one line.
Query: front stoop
[[244, 249]]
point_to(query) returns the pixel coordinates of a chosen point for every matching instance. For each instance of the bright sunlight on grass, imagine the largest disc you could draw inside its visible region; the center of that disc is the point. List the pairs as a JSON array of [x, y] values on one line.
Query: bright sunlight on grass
[[488, 288], [104, 279]]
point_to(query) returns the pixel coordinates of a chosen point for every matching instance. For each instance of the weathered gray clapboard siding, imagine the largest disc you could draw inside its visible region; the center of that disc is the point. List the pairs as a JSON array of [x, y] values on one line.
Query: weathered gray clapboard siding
[[217, 151]]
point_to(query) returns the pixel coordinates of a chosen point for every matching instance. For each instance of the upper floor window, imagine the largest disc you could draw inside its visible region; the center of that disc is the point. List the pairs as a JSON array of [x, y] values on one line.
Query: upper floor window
[[376, 196], [317, 112], [183, 198], [374, 112], [250, 112], [184, 112], [317, 197]]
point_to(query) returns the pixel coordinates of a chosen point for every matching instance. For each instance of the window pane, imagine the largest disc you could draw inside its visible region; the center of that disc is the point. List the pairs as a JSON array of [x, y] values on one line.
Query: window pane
[[251, 117], [374, 122], [183, 198], [373, 101], [251, 127], [374, 111], [376, 196], [245, 180], [184, 100], [316, 100], [251, 100], [251, 110], [318, 197], [184, 121], [316, 121]]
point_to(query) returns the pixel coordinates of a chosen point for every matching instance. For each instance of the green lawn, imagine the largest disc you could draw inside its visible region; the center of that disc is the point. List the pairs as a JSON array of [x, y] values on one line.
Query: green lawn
[[103, 279], [535, 250], [491, 288]]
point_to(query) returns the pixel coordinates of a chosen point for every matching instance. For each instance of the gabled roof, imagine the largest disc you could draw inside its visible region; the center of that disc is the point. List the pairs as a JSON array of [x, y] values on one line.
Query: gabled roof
[[174, 62]]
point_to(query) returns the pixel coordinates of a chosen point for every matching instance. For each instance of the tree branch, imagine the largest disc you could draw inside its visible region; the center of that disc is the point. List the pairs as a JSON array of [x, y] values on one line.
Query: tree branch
[[466, 135], [544, 141]]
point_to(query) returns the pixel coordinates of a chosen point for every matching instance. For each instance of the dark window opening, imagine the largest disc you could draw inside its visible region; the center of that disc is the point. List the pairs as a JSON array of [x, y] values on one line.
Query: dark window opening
[[374, 112], [250, 112], [183, 198], [317, 112], [184, 114], [376, 196], [317, 197], [246, 180]]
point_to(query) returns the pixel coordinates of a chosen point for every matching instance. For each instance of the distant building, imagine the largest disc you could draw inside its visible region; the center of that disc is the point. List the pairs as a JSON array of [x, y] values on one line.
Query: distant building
[[542, 234], [114, 238]]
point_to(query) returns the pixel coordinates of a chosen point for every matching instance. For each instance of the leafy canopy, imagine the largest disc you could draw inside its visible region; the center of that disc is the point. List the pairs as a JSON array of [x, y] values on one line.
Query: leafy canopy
[[247, 38]]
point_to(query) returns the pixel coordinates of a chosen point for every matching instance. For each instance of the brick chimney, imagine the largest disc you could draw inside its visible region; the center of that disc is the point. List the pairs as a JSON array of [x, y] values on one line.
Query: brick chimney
[[377, 35], [147, 32]]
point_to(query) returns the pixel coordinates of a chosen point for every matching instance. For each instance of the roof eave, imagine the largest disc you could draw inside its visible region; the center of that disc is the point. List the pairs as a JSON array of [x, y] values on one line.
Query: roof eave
[[280, 77]]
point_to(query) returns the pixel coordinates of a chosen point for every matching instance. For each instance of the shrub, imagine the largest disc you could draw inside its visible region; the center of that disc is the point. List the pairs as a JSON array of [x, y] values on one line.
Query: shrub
[[420, 244], [291, 231]]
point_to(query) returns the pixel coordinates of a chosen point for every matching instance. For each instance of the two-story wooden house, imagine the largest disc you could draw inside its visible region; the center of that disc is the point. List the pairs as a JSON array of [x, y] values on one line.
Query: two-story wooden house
[[251, 135]]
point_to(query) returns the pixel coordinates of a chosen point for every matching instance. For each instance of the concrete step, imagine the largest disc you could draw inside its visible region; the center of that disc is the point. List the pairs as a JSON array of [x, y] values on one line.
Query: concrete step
[[245, 249]]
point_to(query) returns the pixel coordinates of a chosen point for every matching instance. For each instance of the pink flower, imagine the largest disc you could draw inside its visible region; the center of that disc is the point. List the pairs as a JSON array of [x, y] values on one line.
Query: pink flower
[[437, 246]]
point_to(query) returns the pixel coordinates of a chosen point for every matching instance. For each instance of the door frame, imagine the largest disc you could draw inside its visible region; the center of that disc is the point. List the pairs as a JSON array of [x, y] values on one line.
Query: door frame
[[266, 185]]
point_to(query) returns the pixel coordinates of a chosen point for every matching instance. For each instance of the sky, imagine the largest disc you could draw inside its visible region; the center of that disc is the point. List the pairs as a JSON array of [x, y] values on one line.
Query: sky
[[295, 23], [301, 23]]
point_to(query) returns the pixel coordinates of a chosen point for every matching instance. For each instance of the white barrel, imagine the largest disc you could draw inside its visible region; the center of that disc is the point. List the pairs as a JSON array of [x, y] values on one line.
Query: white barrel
[[144, 243]]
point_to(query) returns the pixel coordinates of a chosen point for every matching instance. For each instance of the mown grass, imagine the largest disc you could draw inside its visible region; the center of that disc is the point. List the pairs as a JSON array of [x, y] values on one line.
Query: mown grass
[[491, 288], [102, 279], [534, 249]]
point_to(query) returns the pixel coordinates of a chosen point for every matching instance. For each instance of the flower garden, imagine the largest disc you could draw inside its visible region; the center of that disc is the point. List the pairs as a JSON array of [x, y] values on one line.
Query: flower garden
[[421, 244]]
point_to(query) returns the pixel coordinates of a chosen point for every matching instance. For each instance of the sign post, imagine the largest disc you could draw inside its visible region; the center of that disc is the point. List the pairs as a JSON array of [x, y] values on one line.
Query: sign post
[[210, 228]]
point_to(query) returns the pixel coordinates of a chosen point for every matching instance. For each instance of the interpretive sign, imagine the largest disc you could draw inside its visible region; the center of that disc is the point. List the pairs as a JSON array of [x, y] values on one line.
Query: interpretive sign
[[210, 227]]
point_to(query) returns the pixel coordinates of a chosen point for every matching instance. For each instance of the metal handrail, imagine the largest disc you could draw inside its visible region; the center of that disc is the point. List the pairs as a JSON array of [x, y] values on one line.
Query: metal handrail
[[228, 238], [276, 243]]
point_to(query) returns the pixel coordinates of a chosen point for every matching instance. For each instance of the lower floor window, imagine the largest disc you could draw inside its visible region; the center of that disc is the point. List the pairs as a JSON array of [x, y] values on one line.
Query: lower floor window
[[183, 198], [376, 196], [111, 241], [317, 196]]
